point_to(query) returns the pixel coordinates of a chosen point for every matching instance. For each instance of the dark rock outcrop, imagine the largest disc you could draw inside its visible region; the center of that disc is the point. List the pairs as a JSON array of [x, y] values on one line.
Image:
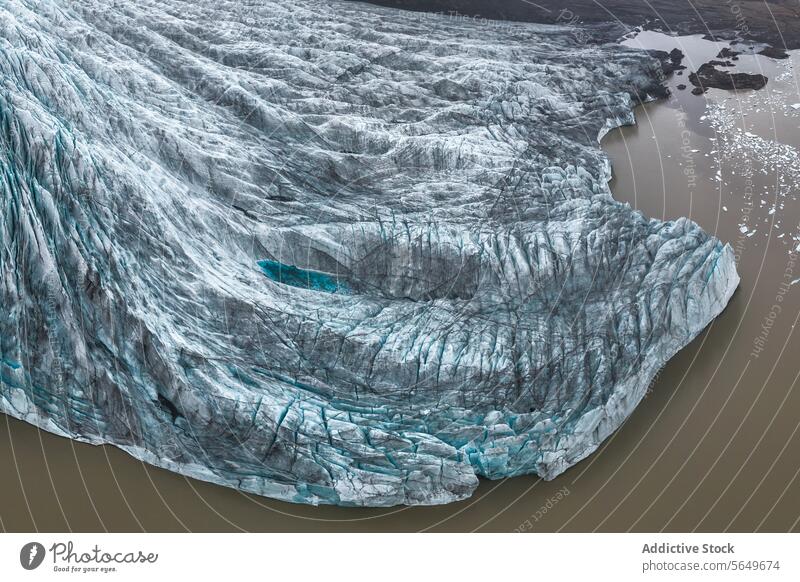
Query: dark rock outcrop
[[774, 52], [727, 53], [709, 77], [676, 56], [670, 61]]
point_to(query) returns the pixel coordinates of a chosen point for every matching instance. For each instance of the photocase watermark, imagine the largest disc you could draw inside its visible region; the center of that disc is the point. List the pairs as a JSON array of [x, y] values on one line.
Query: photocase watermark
[[687, 153], [567, 17], [65, 558], [789, 272], [741, 25], [31, 555], [747, 209], [547, 506], [687, 148], [458, 17]]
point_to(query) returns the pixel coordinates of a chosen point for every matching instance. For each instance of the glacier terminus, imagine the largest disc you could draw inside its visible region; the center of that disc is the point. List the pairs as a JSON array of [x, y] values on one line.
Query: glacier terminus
[[326, 252]]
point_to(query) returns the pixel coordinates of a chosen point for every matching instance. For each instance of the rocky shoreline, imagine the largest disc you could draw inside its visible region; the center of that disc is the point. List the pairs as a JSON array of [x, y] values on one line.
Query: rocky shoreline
[[769, 21]]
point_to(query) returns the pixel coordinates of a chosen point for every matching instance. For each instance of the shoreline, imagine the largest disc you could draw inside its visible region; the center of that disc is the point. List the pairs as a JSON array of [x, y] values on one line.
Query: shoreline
[[750, 19]]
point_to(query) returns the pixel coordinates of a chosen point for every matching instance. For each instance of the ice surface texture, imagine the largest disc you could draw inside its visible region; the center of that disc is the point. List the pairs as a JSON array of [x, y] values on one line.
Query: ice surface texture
[[326, 252]]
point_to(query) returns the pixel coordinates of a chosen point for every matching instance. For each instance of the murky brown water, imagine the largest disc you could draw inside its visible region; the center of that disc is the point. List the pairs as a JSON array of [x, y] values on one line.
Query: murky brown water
[[714, 446]]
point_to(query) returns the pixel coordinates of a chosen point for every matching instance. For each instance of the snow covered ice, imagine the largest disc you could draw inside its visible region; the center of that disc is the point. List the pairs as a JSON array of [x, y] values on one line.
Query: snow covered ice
[[326, 252]]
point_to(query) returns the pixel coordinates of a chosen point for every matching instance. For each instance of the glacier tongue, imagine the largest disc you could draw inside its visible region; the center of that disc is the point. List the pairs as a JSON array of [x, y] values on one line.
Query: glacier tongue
[[326, 252]]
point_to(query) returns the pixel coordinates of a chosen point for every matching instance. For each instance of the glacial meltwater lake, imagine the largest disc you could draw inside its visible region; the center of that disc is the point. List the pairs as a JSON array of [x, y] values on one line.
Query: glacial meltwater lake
[[712, 447]]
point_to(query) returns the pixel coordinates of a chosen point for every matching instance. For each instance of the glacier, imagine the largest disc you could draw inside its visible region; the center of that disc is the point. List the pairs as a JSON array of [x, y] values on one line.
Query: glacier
[[326, 252]]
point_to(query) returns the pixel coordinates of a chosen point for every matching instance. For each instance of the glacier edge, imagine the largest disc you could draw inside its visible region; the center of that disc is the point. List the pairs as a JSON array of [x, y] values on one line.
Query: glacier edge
[[504, 314]]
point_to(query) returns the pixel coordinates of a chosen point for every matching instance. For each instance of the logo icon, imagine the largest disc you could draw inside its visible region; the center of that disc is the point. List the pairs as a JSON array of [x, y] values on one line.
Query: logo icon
[[31, 555]]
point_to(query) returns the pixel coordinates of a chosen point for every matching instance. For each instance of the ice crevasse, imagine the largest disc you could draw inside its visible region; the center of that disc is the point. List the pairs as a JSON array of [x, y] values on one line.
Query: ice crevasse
[[326, 252]]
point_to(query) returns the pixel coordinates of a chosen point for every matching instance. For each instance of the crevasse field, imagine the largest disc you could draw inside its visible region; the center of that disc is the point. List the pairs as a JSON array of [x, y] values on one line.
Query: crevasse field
[[325, 252]]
